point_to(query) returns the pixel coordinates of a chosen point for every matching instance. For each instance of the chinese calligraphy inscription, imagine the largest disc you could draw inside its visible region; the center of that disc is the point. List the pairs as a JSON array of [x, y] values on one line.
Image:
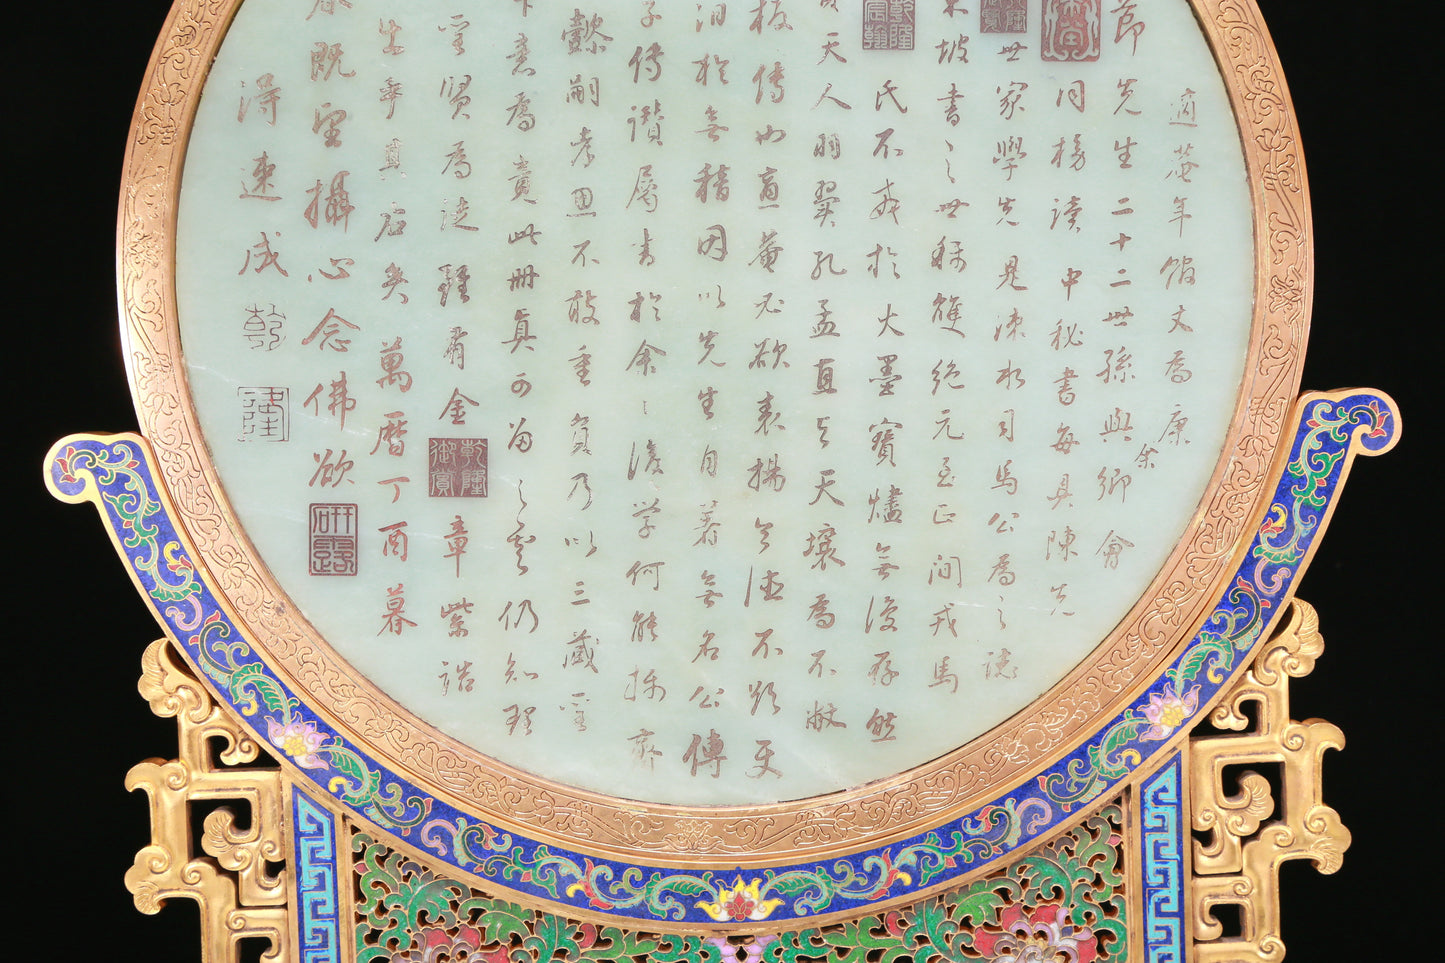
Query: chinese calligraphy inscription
[[792, 380]]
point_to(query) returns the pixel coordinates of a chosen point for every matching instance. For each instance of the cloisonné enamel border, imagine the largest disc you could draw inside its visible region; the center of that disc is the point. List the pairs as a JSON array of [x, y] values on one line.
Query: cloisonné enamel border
[[115, 473]]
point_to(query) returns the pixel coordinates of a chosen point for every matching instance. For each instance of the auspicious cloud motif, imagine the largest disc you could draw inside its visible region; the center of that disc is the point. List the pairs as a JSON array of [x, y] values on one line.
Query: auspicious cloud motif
[[1166, 711], [741, 902]]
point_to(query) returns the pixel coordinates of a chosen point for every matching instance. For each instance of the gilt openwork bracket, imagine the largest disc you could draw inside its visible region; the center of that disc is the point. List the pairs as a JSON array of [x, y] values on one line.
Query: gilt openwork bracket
[[237, 877], [1242, 831]]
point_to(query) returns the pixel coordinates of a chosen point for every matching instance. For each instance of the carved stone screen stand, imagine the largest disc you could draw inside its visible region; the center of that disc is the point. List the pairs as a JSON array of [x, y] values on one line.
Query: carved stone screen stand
[[705, 481]]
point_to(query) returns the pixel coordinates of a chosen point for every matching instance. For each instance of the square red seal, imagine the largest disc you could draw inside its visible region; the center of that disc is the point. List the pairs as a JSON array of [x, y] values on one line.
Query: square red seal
[[888, 24], [457, 467], [1004, 16]]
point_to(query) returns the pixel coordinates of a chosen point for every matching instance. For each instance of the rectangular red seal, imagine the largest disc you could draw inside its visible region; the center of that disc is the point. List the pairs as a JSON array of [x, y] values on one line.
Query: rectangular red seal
[[1071, 30], [333, 533], [457, 467]]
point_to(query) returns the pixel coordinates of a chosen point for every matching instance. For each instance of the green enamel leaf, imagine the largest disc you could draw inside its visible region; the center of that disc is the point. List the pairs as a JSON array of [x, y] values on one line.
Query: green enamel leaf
[[254, 677], [982, 904], [1048, 880], [358, 781], [503, 922], [927, 938], [552, 935], [801, 946], [432, 898], [676, 949], [681, 885], [795, 883], [1116, 927], [1209, 647]]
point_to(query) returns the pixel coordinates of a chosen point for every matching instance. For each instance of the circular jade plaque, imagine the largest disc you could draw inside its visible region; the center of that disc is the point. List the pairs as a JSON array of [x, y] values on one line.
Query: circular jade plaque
[[715, 404]]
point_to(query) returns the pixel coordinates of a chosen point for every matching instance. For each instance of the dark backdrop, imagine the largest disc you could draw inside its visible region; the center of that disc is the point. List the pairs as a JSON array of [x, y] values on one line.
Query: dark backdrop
[[1367, 110]]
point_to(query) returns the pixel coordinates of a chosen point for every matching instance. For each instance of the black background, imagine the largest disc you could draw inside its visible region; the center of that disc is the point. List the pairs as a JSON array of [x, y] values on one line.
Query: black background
[[1368, 110]]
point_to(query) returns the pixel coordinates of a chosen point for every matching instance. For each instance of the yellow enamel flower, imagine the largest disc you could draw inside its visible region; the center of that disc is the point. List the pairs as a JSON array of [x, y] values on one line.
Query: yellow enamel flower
[[741, 901]]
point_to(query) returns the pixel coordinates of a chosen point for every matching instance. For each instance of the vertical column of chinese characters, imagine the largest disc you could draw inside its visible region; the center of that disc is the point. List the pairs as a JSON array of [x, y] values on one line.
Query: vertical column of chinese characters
[[893, 260], [700, 740], [585, 93], [648, 514], [581, 648], [1107, 424], [764, 648], [319, 191], [816, 532], [1018, 111], [711, 190], [584, 37], [953, 105], [819, 693], [1068, 36], [703, 749], [949, 326], [583, 644], [457, 462], [385, 304], [765, 654], [815, 703], [513, 110], [440, 244], [1178, 274]]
